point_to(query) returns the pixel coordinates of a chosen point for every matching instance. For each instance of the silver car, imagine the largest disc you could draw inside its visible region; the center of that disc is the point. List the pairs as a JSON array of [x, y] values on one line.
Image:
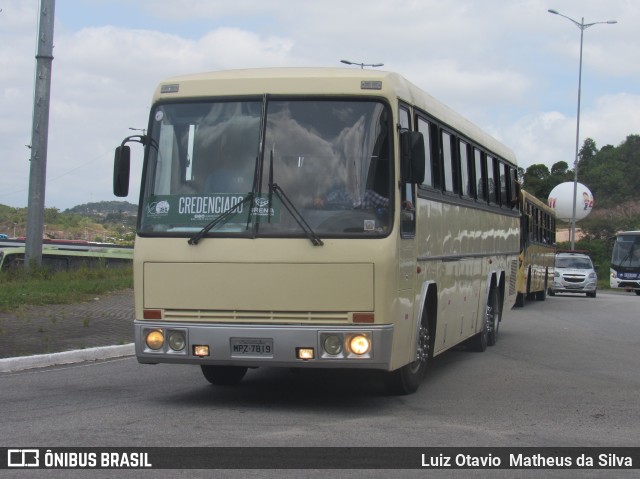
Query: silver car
[[574, 273]]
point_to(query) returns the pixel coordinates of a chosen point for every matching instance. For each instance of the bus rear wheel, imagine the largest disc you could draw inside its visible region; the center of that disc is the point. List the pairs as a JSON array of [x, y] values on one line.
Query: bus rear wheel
[[407, 379], [223, 375], [488, 335], [494, 315]]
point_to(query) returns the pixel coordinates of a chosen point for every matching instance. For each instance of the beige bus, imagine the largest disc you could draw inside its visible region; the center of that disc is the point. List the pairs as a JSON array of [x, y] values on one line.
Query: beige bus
[[317, 218]]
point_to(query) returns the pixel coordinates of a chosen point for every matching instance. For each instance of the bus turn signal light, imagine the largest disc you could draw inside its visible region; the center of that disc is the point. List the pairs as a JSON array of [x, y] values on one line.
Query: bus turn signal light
[[363, 317], [152, 314]]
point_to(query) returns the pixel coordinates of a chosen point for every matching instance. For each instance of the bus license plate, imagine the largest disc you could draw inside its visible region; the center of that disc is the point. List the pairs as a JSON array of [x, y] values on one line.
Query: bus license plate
[[252, 347]]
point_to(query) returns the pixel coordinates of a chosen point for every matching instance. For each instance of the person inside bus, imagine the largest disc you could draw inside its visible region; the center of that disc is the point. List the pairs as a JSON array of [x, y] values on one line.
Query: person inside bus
[[340, 198]]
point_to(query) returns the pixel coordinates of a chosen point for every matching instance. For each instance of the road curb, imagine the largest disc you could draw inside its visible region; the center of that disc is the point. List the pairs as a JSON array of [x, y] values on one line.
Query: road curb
[[8, 365]]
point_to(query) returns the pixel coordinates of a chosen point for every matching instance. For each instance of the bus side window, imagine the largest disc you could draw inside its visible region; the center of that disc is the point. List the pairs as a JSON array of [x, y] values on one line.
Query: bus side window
[[407, 192], [504, 188], [425, 128], [449, 161], [465, 169], [481, 178], [492, 186]]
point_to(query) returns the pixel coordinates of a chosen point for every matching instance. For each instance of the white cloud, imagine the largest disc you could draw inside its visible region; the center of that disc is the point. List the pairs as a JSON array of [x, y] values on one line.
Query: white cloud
[[549, 137]]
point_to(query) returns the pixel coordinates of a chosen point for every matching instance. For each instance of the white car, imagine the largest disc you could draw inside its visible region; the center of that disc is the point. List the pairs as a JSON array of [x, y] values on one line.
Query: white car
[[574, 273]]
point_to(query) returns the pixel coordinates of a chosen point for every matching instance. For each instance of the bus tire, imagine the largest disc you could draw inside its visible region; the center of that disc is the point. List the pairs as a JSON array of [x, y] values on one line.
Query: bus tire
[[519, 300], [223, 375], [637, 292], [541, 295], [488, 336], [494, 315], [407, 379]]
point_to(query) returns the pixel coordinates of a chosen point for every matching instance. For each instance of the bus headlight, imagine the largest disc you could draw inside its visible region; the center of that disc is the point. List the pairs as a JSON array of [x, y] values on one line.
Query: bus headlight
[[360, 344], [332, 344], [177, 340], [155, 339]]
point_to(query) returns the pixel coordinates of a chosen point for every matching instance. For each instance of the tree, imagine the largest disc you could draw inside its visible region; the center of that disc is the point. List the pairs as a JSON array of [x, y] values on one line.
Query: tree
[[536, 180], [587, 152], [560, 169]]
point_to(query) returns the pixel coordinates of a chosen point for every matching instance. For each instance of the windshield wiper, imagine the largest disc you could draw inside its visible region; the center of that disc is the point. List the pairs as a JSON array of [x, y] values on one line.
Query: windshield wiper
[[291, 208], [293, 211], [224, 216], [629, 255]]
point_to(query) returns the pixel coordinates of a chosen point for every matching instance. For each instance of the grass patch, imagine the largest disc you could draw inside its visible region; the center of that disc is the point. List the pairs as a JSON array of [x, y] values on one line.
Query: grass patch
[[39, 287]]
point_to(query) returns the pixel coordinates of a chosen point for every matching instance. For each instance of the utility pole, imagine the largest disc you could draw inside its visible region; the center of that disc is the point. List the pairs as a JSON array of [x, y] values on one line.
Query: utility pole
[[40, 134]]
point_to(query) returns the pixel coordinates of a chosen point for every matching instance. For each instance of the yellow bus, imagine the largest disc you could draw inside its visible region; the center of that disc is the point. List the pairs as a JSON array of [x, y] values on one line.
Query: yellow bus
[[537, 249], [317, 218]]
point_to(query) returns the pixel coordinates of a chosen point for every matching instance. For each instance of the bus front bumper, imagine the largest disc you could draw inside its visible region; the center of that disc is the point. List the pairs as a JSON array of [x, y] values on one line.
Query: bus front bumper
[[625, 284], [329, 346]]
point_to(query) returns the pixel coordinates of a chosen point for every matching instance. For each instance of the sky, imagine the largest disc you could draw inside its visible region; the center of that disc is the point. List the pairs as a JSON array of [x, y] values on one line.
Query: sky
[[509, 66]]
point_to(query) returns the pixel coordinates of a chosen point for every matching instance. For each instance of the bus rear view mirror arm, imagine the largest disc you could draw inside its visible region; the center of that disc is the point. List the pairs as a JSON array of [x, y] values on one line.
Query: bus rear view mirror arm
[[122, 162]]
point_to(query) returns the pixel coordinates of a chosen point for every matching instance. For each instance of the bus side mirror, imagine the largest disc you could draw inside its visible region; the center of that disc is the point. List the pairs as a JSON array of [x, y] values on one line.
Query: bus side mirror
[[412, 157], [121, 169]]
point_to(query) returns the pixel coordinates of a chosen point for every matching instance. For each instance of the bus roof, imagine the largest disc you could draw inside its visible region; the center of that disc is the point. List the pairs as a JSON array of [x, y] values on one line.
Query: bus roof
[[538, 202], [323, 81]]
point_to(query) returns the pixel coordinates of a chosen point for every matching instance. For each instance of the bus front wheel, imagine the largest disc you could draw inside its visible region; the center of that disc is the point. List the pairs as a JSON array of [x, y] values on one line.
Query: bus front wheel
[[407, 379], [223, 375]]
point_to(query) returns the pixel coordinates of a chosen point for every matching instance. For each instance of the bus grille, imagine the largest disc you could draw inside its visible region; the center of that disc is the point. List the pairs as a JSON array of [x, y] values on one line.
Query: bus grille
[[256, 316]]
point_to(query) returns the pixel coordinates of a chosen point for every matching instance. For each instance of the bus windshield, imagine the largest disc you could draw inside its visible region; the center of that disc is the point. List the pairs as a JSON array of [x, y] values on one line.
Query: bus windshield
[[330, 159], [626, 251]]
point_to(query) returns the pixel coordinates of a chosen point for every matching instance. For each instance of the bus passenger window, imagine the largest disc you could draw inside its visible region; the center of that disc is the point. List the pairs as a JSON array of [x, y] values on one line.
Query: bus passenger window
[[449, 163], [480, 175], [491, 180], [465, 177], [504, 192]]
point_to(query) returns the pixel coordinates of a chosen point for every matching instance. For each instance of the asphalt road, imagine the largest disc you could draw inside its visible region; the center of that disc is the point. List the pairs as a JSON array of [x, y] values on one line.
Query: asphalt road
[[565, 372]]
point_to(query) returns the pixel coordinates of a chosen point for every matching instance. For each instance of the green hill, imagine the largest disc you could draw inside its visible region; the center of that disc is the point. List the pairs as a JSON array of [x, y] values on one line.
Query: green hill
[[106, 221]]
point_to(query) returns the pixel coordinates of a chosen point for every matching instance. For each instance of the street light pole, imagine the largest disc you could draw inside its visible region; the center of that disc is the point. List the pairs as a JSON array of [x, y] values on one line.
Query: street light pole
[[582, 26], [39, 135]]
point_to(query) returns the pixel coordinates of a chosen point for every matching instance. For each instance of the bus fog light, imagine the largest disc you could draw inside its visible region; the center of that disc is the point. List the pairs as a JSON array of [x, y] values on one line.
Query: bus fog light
[[305, 353], [332, 344], [155, 339], [360, 344], [177, 340], [201, 350]]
